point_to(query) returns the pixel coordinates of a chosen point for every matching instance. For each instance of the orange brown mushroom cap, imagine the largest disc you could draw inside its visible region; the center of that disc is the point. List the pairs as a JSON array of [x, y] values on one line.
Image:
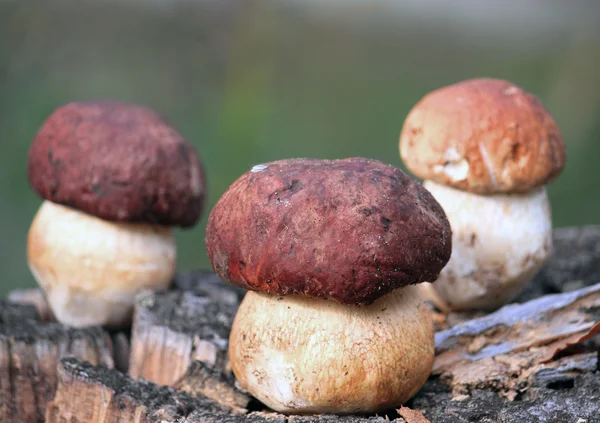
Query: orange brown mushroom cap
[[485, 136]]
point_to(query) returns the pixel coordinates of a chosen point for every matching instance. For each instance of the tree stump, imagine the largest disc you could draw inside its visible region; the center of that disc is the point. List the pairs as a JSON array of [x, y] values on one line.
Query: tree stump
[[108, 396], [172, 329], [29, 353], [179, 338]]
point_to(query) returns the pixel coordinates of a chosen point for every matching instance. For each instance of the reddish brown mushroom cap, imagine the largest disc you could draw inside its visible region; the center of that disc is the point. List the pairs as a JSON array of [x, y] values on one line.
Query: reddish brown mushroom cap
[[349, 230], [119, 162]]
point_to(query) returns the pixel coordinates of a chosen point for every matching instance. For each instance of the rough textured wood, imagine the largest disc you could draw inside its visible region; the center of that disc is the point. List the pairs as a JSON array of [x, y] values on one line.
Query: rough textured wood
[[108, 396], [573, 264], [565, 389], [36, 298], [29, 353], [502, 350], [576, 402], [562, 372], [199, 379], [171, 329], [121, 349]]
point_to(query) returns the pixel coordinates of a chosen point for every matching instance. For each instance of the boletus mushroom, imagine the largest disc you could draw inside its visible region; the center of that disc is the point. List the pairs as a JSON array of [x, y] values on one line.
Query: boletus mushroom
[[486, 150], [115, 178], [330, 251]]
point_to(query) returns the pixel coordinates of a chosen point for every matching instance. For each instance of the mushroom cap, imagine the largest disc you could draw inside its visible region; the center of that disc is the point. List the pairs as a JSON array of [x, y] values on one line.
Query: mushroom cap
[[485, 136], [349, 230], [119, 162]]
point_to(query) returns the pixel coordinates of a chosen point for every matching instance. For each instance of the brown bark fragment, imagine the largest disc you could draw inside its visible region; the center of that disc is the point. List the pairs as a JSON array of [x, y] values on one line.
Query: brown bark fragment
[[503, 351], [412, 416], [29, 353], [199, 379]]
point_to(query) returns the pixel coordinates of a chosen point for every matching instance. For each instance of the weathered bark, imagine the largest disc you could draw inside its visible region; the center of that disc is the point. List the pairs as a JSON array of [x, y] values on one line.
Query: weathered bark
[[36, 298], [563, 371], [108, 396], [573, 264], [199, 379], [576, 258], [574, 402], [171, 329], [192, 322], [29, 353], [503, 350]]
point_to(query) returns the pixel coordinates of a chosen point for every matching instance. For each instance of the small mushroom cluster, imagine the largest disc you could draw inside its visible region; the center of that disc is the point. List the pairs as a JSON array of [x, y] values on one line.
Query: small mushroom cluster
[[486, 149], [335, 254], [115, 177]]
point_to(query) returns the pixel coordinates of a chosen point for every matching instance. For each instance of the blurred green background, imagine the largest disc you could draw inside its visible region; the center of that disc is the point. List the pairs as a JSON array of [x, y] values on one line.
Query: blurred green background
[[253, 81]]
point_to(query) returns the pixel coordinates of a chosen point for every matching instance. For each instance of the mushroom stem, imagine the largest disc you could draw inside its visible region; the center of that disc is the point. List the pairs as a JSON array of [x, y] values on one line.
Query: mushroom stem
[[90, 269], [303, 355], [499, 242]]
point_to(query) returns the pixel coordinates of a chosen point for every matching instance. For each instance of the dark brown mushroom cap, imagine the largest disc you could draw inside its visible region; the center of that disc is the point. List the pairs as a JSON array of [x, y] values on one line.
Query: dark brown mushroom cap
[[349, 230], [117, 161]]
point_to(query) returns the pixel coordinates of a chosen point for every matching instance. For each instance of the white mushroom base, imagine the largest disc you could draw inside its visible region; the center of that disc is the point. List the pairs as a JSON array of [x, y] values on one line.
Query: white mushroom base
[[499, 242], [91, 269], [304, 355]]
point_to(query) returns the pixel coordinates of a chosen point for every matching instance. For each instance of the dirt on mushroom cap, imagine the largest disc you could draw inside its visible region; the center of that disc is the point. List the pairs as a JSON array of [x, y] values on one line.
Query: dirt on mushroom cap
[[117, 161], [349, 230]]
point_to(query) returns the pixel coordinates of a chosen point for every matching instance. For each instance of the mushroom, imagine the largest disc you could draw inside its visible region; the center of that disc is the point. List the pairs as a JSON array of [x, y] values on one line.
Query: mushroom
[[330, 251], [486, 149], [115, 179]]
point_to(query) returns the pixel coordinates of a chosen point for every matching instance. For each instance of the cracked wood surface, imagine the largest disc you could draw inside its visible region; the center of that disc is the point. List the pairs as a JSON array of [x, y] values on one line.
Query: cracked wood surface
[[29, 353], [172, 329], [565, 388], [504, 350], [108, 396]]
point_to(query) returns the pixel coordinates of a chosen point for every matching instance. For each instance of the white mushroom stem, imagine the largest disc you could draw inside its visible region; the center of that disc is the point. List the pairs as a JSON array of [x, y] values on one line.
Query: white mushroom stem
[[305, 355], [90, 269], [499, 242]]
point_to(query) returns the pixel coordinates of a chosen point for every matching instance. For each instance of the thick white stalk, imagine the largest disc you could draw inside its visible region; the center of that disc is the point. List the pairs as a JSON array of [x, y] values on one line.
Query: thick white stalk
[[91, 269]]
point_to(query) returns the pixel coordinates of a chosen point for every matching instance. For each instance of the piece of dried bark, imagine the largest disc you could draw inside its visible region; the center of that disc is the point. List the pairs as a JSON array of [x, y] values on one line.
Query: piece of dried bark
[[201, 380], [108, 396], [36, 298], [564, 370], [502, 350], [29, 353], [172, 329], [412, 416], [559, 403]]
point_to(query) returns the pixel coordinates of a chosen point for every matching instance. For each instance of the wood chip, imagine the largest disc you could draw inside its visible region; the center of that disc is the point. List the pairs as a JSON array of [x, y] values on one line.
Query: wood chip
[[412, 416]]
